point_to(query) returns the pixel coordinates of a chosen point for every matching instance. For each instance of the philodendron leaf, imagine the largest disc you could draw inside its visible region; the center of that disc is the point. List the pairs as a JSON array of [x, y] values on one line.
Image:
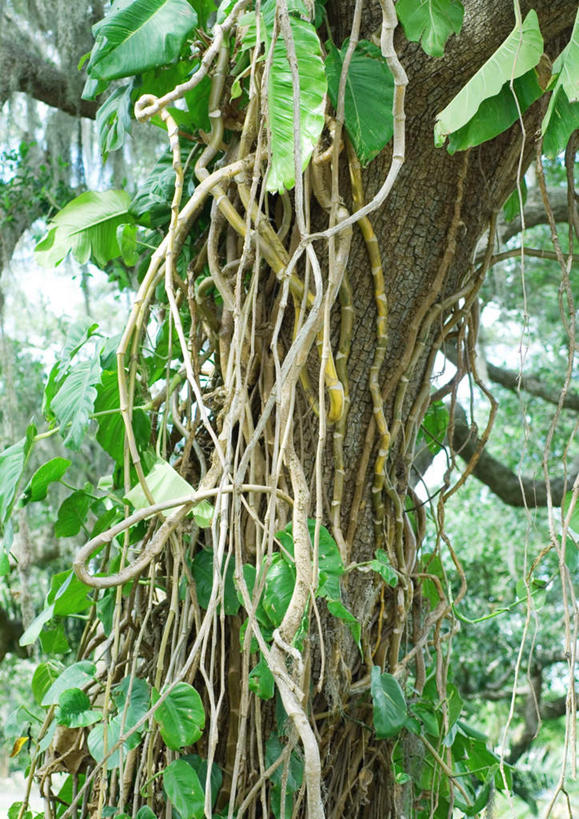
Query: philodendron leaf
[[389, 709], [140, 36], [562, 116], [75, 676], [74, 709], [166, 484], [181, 717], [498, 113], [12, 463], [111, 427], [72, 514], [519, 53], [430, 22], [45, 674], [86, 226], [74, 402], [184, 790], [368, 98], [48, 473], [281, 91]]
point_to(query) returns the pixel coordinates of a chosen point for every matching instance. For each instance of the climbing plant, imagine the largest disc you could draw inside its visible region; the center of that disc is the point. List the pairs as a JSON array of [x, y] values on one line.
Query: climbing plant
[[267, 622]]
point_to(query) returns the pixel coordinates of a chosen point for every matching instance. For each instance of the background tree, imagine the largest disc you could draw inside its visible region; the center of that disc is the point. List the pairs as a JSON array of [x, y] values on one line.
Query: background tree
[[274, 376]]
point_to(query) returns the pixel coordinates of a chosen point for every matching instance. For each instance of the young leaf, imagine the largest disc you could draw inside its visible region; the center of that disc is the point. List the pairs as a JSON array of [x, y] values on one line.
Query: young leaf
[[145, 813], [338, 609], [430, 22], [74, 402], [85, 226], [48, 473], [519, 53], [202, 571], [12, 463], [433, 427], [368, 100], [138, 694], [389, 704], [181, 717], [184, 790], [164, 484], [381, 564], [140, 36]]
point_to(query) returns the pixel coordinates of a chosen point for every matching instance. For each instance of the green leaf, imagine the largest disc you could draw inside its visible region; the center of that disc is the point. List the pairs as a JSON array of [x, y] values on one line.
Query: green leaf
[[74, 709], [330, 564], [261, 680], [184, 790], [180, 717], [389, 704], [53, 639], [512, 206], [12, 463], [96, 743], [111, 427], [72, 514], [164, 484], [562, 116], [368, 99], [75, 676], [280, 99], [203, 514], [86, 226], [4, 564], [48, 473], [382, 565], [74, 402], [496, 114], [279, 586], [519, 53], [113, 120], [138, 694], [31, 634], [338, 609], [141, 36], [68, 594], [202, 571], [434, 425], [430, 22], [199, 765], [45, 674], [145, 813]]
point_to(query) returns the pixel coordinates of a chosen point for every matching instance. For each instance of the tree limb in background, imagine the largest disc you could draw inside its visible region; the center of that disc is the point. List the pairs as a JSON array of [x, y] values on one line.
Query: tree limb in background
[[501, 480]]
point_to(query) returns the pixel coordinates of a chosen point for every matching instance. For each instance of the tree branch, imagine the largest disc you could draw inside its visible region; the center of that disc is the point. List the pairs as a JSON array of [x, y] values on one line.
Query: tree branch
[[498, 477], [531, 384], [40, 78], [534, 212]]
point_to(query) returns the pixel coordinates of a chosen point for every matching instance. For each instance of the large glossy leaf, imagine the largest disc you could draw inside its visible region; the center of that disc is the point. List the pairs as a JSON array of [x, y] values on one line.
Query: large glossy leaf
[[72, 514], [137, 693], [497, 113], [430, 22], [203, 574], [48, 473], [74, 401], [45, 674], [389, 705], [279, 586], [86, 226], [368, 99], [74, 709], [562, 116], [184, 790], [280, 94], [261, 680], [111, 427], [145, 34], [519, 53], [181, 716], [12, 463], [75, 676], [69, 594], [31, 634]]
